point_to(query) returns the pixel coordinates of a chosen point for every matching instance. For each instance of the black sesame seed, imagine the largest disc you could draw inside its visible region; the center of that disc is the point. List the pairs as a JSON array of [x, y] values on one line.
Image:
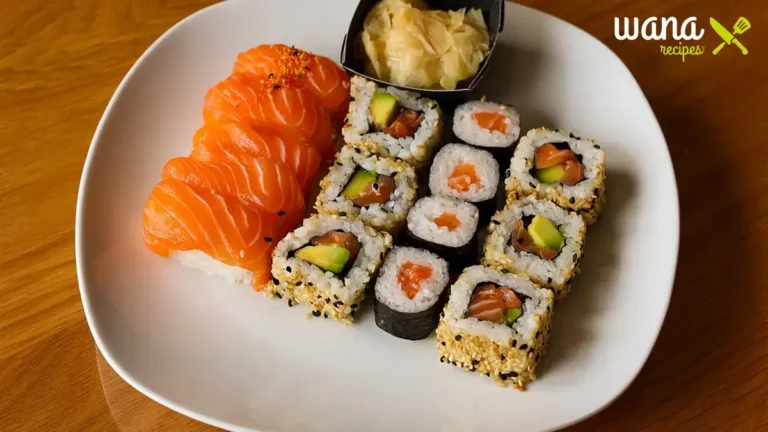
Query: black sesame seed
[[512, 374], [280, 213], [549, 280], [523, 347], [487, 374], [472, 369], [339, 163], [357, 150], [290, 303], [504, 271], [309, 283], [375, 186], [530, 351], [278, 295], [597, 146], [354, 306], [503, 357], [342, 214], [454, 363], [276, 86], [503, 376], [327, 301], [495, 222], [572, 135], [334, 296], [442, 359], [298, 284], [575, 257], [288, 269], [514, 343], [458, 337], [316, 313], [325, 315], [275, 281], [532, 185], [443, 343], [475, 362], [337, 304]]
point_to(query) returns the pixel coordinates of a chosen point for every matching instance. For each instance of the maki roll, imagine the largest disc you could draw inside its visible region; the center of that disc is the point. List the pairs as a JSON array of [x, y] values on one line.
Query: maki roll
[[327, 264], [466, 173], [408, 292], [374, 189], [446, 226], [496, 324], [395, 122], [492, 126], [538, 239], [562, 168]]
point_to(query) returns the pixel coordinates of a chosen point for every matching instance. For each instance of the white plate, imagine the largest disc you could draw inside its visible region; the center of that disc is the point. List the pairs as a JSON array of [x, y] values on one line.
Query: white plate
[[228, 356]]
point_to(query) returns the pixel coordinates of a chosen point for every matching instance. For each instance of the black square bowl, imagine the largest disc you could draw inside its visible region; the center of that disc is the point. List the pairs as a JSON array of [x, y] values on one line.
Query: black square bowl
[[493, 13]]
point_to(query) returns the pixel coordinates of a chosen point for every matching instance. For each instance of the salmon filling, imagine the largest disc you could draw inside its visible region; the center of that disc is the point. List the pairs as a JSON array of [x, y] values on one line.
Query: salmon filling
[[553, 155], [491, 121], [498, 304], [340, 238], [463, 177], [447, 220], [405, 125], [377, 192], [522, 241], [410, 276]]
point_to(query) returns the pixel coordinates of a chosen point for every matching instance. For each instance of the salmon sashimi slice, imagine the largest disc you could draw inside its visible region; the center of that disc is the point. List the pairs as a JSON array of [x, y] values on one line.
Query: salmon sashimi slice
[[286, 66], [463, 177], [521, 240], [405, 125], [411, 275], [488, 303], [289, 111], [574, 172], [178, 217], [447, 220], [344, 239], [265, 183], [492, 121], [228, 141]]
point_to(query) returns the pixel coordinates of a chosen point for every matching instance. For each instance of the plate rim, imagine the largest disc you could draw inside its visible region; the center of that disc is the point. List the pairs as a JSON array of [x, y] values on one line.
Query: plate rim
[[162, 400]]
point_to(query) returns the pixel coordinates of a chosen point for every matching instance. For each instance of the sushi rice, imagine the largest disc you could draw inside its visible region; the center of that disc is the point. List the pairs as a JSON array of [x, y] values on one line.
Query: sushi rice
[[465, 127], [416, 150], [554, 274], [389, 216], [299, 282], [389, 291], [507, 354], [422, 215], [586, 197]]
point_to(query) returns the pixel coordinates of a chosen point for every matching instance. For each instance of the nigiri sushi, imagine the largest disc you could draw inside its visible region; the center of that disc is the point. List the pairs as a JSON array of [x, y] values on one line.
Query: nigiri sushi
[[283, 65], [287, 110], [219, 234], [229, 141]]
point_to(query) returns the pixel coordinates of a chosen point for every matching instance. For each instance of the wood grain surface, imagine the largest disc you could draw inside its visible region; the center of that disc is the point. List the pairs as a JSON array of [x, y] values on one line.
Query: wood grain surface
[[61, 60]]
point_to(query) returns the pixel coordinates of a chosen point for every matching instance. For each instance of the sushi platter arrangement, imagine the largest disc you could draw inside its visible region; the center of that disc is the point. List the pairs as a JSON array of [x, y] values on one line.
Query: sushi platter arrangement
[[431, 202]]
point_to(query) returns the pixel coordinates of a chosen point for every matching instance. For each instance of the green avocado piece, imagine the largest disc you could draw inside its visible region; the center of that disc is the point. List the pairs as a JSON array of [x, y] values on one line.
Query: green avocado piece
[[330, 258], [383, 107], [512, 314], [359, 181], [551, 174], [545, 234]]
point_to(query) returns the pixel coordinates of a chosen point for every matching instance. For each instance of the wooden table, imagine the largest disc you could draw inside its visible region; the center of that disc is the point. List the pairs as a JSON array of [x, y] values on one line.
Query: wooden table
[[61, 60]]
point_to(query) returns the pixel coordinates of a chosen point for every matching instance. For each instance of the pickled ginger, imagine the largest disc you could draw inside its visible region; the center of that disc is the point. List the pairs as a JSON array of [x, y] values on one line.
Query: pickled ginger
[[408, 44]]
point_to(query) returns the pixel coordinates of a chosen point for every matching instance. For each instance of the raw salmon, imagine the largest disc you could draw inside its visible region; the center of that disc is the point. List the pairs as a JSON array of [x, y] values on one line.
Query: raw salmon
[[378, 192], [489, 302], [262, 182], [410, 276], [344, 239], [447, 220], [463, 177], [289, 111], [286, 66], [178, 217], [228, 141], [491, 121]]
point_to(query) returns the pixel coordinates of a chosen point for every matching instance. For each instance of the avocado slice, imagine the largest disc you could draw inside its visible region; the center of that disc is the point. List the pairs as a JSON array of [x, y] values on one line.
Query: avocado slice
[[330, 258], [359, 181], [511, 315], [383, 107], [545, 234], [550, 175]]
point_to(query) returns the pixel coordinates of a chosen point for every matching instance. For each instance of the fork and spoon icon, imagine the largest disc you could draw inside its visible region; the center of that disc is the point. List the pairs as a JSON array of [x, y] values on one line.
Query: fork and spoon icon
[[741, 26]]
